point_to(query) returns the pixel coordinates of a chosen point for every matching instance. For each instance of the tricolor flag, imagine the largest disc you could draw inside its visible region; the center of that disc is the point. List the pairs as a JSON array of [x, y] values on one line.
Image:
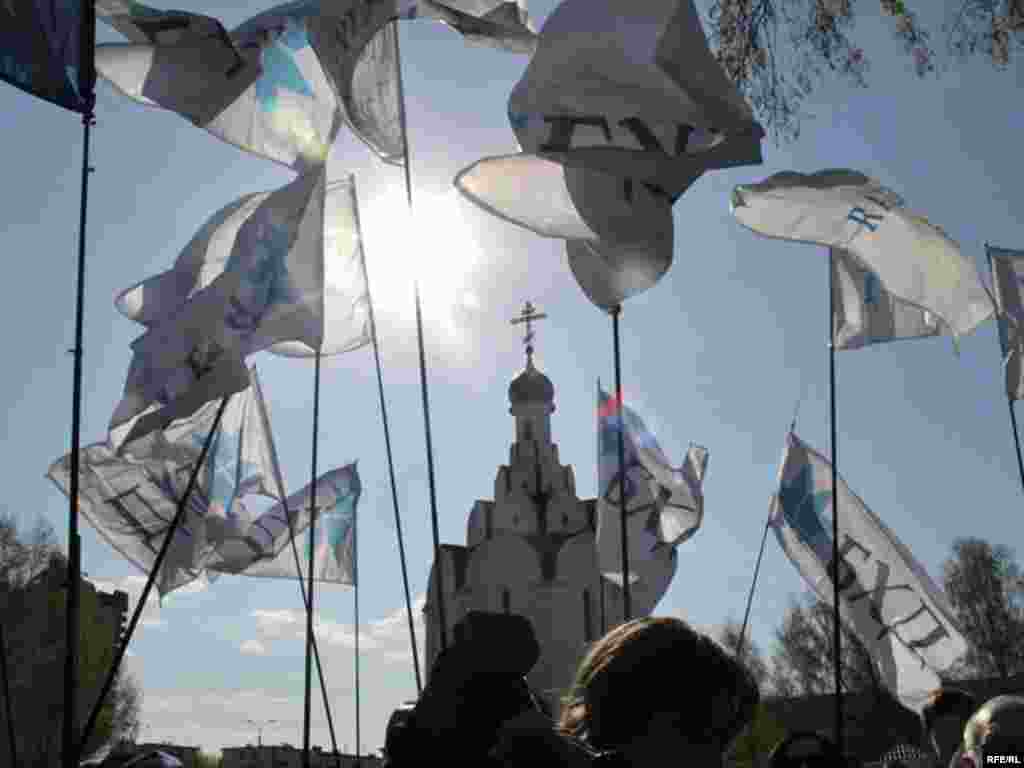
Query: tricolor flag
[[664, 504], [887, 597]]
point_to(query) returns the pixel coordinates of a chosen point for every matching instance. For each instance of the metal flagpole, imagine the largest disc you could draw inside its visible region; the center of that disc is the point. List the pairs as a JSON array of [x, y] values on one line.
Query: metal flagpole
[[387, 445], [1004, 349], [835, 506], [355, 574], [295, 550], [627, 604], [442, 620], [9, 715], [309, 588], [137, 613], [87, 80]]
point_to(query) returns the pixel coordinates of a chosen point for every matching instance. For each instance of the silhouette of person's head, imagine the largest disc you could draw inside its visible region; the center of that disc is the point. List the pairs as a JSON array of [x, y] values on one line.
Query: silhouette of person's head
[[806, 749], [996, 731], [943, 717], [653, 688]]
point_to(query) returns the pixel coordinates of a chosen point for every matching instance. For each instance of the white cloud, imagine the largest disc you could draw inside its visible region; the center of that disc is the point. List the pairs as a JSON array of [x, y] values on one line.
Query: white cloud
[[252, 648]]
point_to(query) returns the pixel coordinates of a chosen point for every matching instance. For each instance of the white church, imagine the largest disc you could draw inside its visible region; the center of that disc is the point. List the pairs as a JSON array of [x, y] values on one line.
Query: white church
[[532, 551]]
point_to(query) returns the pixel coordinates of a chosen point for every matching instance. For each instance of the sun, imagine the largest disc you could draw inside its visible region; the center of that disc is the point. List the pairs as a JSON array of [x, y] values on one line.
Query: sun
[[434, 248]]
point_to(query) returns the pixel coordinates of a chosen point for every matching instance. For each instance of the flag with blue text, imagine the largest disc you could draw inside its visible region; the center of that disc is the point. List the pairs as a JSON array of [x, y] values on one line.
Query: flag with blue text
[[887, 597]]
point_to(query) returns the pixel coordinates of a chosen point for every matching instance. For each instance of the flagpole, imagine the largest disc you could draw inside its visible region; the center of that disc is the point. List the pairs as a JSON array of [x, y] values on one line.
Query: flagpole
[[387, 445], [122, 646], [1016, 440], [627, 604], [87, 79], [442, 620], [355, 574], [295, 550], [835, 505], [8, 714], [753, 584], [309, 589]]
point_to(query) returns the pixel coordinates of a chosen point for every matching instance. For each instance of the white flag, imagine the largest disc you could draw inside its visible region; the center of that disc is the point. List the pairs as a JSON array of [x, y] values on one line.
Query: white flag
[[1007, 268], [337, 499], [131, 498], [664, 504], [915, 260], [888, 599], [866, 313]]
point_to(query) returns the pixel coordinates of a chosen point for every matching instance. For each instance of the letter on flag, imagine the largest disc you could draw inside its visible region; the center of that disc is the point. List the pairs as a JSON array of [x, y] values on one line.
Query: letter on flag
[[664, 504], [916, 261], [46, 49], [1008, 277], [866, 313], [887, 597]]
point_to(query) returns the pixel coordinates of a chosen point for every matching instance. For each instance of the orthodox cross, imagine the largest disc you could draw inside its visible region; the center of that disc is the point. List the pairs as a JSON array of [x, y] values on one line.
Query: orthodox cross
[[528, 316]]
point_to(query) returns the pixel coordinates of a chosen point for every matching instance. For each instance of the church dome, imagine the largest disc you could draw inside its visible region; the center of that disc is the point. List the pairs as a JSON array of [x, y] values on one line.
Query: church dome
[[531, 386]]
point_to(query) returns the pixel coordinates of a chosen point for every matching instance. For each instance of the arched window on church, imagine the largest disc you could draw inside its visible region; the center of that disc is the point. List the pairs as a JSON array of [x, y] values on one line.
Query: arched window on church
[[506, 600], [588, 634]]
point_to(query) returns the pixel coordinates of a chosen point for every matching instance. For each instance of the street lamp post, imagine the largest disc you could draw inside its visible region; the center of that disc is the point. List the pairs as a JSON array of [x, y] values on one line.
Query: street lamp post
[[260, 725]]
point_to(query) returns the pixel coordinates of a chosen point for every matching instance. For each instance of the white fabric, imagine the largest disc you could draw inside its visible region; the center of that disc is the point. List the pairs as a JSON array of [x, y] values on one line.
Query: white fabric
[[915, 260], [283, 82], [664, 504], [888, 598], [337, 499], [1008, 278], [609, 274], [280, 269], [866, 313]]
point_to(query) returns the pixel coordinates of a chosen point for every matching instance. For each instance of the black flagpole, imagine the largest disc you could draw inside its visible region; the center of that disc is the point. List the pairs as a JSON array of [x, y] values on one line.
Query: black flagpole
[[355, 573], [309, 588], [295, 552], [1009, 397], [753, 584], [87, 80], [627, 604], [442, 621], [137, 613], [835, 506], [8, 714], [387, 445]]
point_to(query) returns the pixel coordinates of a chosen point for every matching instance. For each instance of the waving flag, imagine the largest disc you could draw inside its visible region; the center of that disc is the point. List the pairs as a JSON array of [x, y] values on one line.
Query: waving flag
[[282, 269], [46, 49], [664, 504], [1007, 268], [866, 313], [915, 260], [621, 109], [887, 597], [283, 83], [337, 499], [131, 498]]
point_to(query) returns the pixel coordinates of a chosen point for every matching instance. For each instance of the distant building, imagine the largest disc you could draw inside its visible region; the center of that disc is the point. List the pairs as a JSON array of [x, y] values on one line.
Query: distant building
[[532, 552], [287, 756]]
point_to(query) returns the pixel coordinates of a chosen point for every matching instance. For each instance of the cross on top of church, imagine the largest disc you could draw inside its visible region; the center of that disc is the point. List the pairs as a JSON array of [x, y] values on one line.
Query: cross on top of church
[[528, 316]]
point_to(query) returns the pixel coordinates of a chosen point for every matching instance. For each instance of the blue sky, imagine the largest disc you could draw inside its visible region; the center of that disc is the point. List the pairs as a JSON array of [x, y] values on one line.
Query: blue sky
[[717, 353]]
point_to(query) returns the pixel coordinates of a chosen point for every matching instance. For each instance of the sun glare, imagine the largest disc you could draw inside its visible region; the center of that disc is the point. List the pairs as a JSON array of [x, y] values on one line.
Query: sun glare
[[433, 246]]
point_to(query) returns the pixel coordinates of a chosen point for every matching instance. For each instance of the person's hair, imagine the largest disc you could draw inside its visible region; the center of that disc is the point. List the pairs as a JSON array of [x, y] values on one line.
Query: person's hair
[[653, 665], [988, 728], [947, 701]]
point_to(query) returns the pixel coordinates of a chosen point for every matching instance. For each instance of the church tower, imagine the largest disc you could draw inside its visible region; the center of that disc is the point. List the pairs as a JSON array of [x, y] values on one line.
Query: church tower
[[532, 550]]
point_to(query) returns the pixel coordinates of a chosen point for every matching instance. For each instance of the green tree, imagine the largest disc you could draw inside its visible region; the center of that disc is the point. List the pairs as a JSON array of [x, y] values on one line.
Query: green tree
[[985, 587], [33, 577], [777, 72], [206, 760], [752, 658]]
